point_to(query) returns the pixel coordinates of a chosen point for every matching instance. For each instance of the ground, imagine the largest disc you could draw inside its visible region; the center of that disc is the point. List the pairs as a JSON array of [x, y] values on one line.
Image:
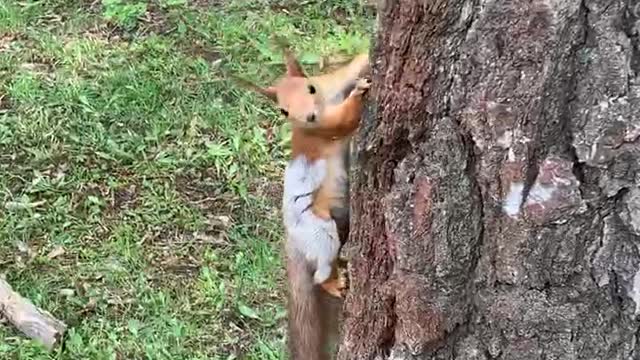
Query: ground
[[139, 187]]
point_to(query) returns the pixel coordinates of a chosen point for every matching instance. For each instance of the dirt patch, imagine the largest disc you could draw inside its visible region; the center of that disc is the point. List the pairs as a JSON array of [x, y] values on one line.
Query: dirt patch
[[202, 189], [204, 4], [155, 21], [92, 6], [105, 32], [171, 266], [38, 66], [123, 198], [172, 239], [199, 50], [175, 253], [7, 40], [5, 103], [341, 16], [268, 189], [283, 6]]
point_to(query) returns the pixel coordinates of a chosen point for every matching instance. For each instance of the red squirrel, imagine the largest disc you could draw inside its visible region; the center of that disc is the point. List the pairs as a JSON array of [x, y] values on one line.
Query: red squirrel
[[324, 112]]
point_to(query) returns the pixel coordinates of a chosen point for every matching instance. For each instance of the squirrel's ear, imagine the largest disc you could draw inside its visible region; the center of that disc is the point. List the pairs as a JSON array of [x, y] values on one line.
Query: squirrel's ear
[[269, 92], [293, 66]]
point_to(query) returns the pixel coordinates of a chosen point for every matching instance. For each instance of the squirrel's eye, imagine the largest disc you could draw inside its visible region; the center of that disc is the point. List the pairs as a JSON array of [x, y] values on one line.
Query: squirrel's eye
[[312, 89], [284, 112]]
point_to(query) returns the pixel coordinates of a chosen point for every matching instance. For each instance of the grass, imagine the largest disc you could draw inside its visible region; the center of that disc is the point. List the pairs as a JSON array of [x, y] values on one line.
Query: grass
[[139, 189]]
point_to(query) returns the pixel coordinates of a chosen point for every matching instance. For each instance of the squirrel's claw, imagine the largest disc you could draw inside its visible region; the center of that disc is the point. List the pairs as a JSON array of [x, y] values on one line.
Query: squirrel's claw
[[338, 284], [362, 85]]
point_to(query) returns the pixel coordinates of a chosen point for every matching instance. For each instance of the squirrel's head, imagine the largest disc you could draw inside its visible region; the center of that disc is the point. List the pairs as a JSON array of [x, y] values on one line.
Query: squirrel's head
[[295, 95], [299, 100]]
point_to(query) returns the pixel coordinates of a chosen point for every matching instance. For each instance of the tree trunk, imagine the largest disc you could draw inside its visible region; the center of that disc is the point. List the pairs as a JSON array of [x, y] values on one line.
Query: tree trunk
[[495, 194]]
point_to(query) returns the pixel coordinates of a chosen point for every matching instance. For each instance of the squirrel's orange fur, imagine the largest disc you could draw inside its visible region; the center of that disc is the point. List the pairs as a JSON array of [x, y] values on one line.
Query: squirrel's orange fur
[[324, 111]]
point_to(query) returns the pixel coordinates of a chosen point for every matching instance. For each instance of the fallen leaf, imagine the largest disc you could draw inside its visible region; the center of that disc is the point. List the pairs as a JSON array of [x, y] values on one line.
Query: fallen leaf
[[25, 250], [119, 301], [205, 238], [57, 251], [17, 205], [90, 306], [248, 312], [23, 247], [219, 221], [66, 292], [83, 289]]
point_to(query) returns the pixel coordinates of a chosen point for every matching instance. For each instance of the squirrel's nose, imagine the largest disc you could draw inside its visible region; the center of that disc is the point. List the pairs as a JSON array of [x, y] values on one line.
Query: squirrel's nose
[[311, 118]]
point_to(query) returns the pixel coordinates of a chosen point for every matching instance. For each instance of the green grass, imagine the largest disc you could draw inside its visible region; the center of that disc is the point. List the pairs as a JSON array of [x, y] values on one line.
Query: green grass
[[122, 144]]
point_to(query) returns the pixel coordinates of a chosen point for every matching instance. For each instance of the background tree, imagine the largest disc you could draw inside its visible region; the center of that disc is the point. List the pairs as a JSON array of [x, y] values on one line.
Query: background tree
[[495, 198]]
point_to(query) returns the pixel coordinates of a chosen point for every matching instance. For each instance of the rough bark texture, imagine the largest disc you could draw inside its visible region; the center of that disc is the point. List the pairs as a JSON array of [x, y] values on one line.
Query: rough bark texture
[[495, 196]]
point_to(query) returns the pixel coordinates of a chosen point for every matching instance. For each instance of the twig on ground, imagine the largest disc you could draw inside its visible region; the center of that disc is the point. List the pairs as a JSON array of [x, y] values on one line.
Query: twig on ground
[[30, 320]]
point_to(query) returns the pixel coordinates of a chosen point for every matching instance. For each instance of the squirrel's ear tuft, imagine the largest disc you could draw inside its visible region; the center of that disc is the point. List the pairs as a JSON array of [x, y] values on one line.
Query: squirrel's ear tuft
[[294, 69], [270, 92]]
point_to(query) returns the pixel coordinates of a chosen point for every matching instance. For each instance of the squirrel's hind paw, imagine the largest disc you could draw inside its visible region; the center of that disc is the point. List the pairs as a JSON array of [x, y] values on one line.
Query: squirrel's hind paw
[[338, 284]]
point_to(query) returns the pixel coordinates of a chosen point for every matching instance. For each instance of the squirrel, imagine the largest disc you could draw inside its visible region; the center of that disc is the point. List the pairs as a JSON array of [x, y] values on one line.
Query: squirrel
[[302, 98], [324, 111]]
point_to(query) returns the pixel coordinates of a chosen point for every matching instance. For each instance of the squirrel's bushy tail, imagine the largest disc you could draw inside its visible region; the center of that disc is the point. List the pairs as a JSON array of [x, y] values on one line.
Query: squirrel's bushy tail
[[310, 321]]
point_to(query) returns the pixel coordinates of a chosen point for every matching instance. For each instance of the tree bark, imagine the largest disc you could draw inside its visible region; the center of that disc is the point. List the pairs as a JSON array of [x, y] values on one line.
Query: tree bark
[[495, 195]]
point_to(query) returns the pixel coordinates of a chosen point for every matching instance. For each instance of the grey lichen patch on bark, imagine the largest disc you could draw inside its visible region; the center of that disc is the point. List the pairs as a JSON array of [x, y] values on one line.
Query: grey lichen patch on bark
[[630, 213]]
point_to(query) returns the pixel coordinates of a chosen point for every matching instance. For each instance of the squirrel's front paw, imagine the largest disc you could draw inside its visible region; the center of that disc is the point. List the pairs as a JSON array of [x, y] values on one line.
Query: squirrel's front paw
[[343, 280], [362, 85]]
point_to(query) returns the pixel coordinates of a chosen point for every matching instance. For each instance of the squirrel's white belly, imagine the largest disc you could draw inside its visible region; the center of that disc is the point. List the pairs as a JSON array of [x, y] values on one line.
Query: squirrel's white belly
[[313, 237]]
